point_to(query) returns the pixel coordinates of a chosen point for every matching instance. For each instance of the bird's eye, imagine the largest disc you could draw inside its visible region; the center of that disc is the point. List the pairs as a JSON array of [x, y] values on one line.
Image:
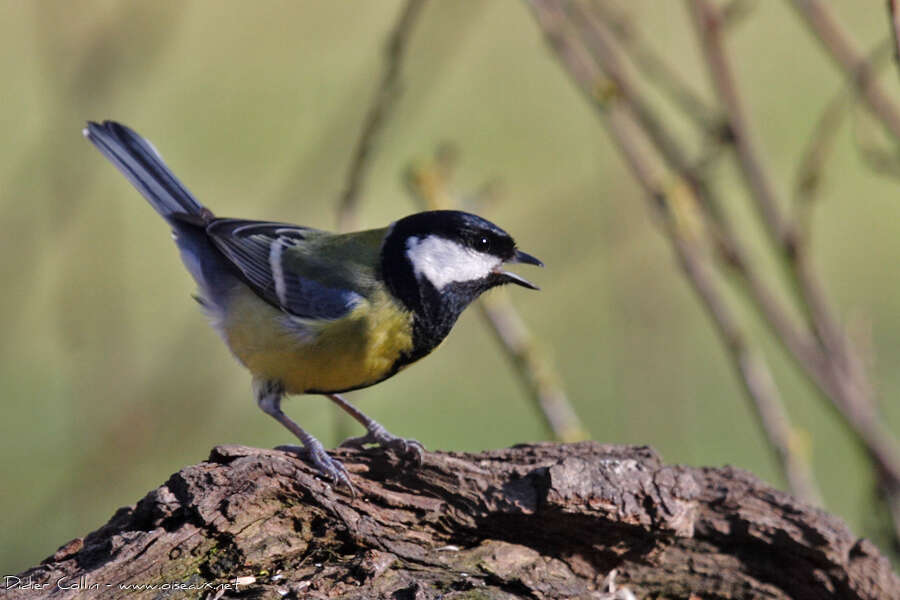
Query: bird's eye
[[483, 244]]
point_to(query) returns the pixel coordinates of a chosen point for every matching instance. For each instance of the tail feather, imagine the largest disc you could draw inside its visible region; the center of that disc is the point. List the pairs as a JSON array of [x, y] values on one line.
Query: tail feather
[[139, 161]]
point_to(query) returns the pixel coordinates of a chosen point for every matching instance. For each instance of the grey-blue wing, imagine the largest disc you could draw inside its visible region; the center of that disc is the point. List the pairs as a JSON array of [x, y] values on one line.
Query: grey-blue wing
[[260, 250]]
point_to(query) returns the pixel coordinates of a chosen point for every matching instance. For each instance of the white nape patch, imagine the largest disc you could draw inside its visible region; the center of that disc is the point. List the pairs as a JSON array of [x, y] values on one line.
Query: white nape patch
[[443, 261], [275, 250]]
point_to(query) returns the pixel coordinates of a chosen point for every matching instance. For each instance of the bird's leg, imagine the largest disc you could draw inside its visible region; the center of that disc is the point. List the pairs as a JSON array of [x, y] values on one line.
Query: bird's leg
[[268, 397], [377, 434]]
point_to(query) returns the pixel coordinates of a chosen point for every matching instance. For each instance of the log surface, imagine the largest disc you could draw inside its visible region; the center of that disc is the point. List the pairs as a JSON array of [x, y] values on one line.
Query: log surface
[[541, 521]]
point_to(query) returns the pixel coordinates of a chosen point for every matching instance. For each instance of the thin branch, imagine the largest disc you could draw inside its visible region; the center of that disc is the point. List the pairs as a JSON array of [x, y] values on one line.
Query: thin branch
[[385, 98], [798, 342], [625, 126], [820, 18], [535, 370], [811, 169], [749, 363], [601, 43], [755, 171], [879, 154], [761, 183], [430, 184], [762, 186], [656, 70], [847, 384], [883, 160]]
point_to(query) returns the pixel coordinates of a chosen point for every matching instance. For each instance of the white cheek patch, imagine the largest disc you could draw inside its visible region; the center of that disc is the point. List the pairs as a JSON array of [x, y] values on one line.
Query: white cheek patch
[[442, 261]]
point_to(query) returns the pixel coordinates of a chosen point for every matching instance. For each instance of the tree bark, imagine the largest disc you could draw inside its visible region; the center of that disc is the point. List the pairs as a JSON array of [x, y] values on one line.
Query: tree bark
[[541, 521]]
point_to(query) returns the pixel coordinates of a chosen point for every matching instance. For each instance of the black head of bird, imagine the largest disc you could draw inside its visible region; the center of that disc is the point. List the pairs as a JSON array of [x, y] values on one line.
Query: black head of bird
[[436, 263]]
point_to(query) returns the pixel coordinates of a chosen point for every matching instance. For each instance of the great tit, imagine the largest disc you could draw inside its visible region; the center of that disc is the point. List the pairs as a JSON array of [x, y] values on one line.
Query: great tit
[[312, 312]]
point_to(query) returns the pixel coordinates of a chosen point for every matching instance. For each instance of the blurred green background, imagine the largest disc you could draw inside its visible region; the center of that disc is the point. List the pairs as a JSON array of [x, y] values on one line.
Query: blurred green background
[[111, 379]]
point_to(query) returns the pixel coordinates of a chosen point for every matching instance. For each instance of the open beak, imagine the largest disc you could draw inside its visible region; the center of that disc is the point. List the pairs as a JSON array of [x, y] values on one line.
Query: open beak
[[524, 258]]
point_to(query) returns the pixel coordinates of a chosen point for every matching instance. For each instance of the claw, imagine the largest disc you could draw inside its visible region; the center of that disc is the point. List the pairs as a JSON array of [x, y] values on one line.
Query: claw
[[376, 435], [330, 467], [408, 449]]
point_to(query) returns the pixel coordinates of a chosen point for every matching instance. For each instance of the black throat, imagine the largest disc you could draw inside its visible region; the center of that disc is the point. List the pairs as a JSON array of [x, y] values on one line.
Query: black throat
[[434, 311]]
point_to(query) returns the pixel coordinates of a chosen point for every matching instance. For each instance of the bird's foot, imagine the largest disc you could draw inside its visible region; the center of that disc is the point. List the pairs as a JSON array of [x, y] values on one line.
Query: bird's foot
[[377, 435], [330, 467]]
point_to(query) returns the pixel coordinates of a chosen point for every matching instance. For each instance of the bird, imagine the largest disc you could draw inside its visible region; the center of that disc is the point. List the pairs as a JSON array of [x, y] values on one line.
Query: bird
[[308, 311]]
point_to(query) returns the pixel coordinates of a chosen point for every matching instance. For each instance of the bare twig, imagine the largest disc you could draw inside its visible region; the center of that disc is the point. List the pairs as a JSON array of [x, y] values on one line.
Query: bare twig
[[655, 68], [388, 90], [535, 370], [755, 171], [628, 124], [884, 160], [760, 181], [880, 154], [736, 258], [430, 183], [846, 382], [820, 18], [811, 168], [603, 48], [761, 184], [808, 179]]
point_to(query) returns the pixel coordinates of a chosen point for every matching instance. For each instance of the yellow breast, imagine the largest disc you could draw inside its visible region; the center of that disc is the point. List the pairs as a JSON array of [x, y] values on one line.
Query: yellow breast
[[329, 356]]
